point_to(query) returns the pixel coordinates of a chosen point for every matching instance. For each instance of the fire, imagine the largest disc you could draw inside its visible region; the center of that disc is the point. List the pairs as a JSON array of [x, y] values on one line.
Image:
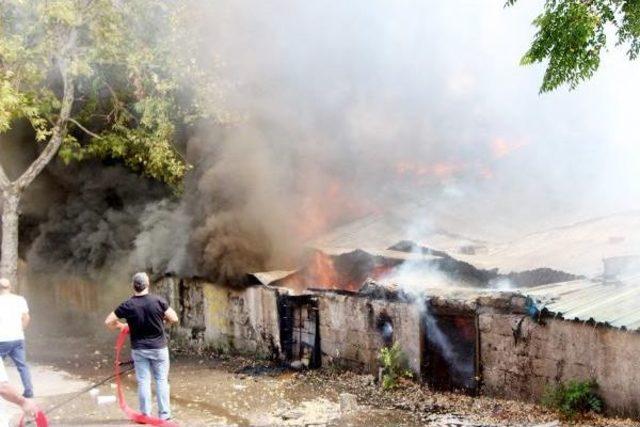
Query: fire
[[486, 172], [446, 169], [380, 271], [330, 206], [321, 272], [500, 147], [440, 170]]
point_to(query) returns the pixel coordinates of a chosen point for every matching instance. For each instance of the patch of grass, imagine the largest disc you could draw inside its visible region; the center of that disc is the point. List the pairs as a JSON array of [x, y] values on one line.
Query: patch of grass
[[573, 398], [394, 366]]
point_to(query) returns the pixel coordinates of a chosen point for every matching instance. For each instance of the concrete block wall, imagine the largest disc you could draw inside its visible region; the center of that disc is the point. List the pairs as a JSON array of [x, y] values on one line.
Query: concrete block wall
[[234, 320], [242, 320], [349, 336], [520, 358]]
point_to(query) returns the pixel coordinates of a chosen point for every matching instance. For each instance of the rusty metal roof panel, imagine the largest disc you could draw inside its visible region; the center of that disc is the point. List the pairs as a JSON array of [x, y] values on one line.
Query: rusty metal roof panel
[[613, 303]]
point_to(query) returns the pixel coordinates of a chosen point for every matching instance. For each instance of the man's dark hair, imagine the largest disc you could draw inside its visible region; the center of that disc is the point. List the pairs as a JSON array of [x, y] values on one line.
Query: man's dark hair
[[140, 282]]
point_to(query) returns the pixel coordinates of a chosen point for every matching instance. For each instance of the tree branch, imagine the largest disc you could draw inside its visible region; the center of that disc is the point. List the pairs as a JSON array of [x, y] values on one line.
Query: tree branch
[[60, 126], [87, 131], [4, 179]]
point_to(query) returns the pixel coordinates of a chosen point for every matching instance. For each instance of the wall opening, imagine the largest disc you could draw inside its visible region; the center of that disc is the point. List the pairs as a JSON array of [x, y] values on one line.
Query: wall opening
[[299, 320], [450, 351], [384, 325]]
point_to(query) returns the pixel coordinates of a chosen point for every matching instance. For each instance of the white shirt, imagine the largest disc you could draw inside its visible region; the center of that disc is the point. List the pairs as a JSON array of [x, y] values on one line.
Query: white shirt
[[12, 307]]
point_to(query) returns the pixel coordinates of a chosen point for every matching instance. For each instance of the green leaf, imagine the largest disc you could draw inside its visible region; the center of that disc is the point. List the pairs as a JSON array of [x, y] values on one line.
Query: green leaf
[[124, 61], [571, 36]]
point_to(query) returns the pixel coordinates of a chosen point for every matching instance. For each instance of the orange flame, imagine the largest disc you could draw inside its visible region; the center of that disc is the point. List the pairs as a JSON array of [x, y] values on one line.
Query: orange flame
[[331, 206], [321, 272], [440, 170], [500, 147]]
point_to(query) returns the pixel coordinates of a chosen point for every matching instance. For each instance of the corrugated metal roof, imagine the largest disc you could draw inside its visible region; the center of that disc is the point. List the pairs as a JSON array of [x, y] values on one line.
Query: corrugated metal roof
[[616, 304], [268, 277], [384, 253], [578, 248], [380, 231]]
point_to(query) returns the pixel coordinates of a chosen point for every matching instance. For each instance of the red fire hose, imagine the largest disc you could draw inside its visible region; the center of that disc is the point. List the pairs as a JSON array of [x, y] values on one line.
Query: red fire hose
[[40, 418], [132, 414]]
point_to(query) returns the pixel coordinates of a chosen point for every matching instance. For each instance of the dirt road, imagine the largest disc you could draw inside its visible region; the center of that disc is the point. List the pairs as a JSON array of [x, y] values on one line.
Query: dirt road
[[226, 391], [206, 396]]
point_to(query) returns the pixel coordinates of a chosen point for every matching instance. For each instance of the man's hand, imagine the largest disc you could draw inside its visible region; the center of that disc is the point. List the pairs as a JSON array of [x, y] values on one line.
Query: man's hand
[[112, 322], [29, 408]]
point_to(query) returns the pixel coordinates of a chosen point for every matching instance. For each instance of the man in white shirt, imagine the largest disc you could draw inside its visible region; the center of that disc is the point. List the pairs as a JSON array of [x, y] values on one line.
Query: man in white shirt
[[14, 318], [7, 392]]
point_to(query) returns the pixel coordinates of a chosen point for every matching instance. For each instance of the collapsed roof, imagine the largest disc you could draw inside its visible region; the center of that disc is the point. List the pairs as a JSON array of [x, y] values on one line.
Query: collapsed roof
[[534, 265], [578, 248]]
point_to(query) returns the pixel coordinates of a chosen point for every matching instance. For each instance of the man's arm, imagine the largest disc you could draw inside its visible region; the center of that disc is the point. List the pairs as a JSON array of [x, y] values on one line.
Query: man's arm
[[170, 315], [10, 394], [25, 320], [112, 322]]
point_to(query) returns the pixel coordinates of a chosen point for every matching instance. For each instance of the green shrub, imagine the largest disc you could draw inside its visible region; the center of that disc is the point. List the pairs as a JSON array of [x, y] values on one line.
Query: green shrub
[[394, 366], [573, 398]]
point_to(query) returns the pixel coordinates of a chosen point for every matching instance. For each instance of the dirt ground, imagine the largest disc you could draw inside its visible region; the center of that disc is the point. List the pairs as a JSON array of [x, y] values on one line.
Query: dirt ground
[[211, 391]]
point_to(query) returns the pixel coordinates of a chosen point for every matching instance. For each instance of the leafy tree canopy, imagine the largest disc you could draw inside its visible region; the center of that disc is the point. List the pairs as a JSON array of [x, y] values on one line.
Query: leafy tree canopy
[[111, 78], [572, 34]]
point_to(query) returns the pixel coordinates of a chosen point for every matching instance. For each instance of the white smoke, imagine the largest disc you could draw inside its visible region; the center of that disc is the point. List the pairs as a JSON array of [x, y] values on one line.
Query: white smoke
[[346, 108], [419, 100]]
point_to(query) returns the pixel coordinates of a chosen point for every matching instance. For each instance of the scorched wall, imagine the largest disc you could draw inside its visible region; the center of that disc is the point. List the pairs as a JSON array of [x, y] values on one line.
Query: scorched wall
[[224, 318], [520, 357], [350, 330]]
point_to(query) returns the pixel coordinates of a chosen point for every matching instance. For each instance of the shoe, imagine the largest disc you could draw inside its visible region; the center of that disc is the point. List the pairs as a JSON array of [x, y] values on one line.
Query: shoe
[[27, 394]]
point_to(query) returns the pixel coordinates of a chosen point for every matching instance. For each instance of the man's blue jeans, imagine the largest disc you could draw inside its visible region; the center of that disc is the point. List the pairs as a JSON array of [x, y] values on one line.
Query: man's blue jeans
[[153, 362], [16, 351]]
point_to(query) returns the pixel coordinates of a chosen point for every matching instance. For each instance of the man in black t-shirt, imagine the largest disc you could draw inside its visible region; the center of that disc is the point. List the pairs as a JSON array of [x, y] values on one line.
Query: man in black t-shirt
[[145, 314]]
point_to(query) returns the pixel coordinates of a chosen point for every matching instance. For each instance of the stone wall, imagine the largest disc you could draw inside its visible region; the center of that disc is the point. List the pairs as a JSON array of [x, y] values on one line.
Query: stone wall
[[223, 318], [244, 321], [520, 358], [350, 335]]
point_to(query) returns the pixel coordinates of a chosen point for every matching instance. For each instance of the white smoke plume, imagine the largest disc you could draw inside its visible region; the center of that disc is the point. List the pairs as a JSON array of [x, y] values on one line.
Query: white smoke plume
[[346, 108], [354, 107]]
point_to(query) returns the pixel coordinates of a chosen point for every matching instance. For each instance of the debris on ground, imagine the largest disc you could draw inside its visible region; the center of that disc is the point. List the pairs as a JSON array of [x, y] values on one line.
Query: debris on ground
[[216, 389]]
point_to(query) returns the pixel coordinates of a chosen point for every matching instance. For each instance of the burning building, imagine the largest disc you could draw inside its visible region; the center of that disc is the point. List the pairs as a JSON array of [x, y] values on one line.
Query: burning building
[[457, 326]]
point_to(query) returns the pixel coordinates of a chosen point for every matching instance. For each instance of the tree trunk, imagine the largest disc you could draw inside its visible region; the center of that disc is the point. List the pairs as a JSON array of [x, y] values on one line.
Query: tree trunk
[[10, 214], [12, 190]]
